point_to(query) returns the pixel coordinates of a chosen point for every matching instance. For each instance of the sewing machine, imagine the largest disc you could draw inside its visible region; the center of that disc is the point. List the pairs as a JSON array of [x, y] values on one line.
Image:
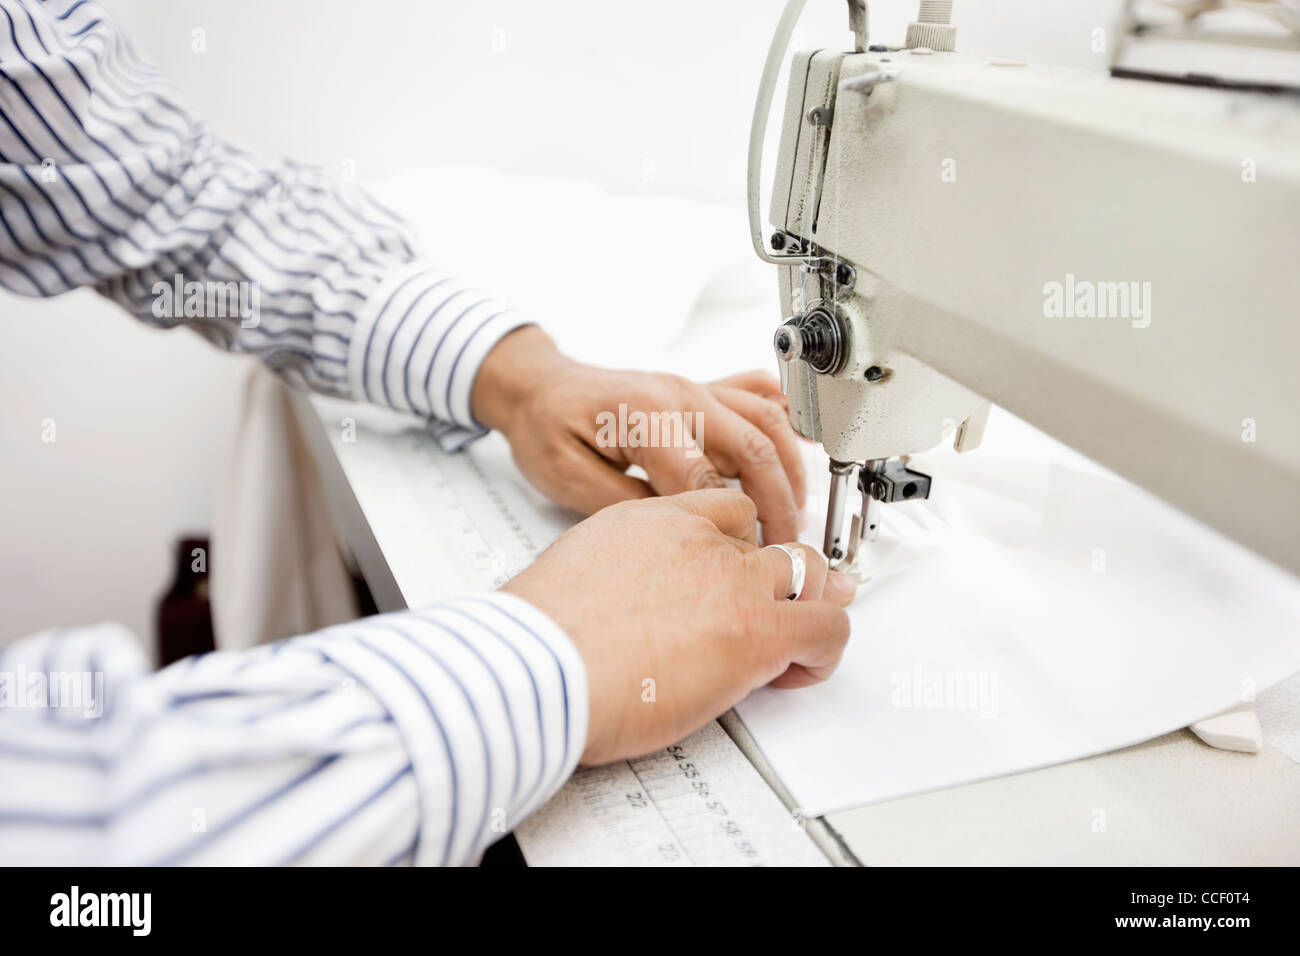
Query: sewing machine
[[924, 204], [1117, 261]]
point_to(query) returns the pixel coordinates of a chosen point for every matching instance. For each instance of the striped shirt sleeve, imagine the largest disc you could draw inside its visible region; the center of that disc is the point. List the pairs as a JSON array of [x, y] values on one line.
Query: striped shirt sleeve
[[106, 180], [409, 738]]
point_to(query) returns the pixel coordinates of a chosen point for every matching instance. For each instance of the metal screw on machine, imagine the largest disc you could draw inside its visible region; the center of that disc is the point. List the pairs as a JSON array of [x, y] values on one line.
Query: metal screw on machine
[[796, 245], [821, 116]]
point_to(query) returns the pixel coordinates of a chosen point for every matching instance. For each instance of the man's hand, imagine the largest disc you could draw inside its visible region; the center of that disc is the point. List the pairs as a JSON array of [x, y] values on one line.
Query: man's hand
[[678, 614], [547, 406]]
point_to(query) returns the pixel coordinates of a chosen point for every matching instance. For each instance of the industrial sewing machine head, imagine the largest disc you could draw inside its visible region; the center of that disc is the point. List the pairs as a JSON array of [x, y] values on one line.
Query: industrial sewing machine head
[[848, 386], [936, 220]]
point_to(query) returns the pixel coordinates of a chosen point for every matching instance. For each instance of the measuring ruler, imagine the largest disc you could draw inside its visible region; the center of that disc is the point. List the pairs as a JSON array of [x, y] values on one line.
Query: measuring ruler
[[445, 524], [450, 524], [696, 803]]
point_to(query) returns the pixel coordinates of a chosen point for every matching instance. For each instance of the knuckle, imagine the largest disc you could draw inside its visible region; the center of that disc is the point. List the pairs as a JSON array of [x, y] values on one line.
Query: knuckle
[[703, 526], [568, 469], [694, 526], [737, 505], [757, 448], [748, 518], [771, 416], [700, 475]]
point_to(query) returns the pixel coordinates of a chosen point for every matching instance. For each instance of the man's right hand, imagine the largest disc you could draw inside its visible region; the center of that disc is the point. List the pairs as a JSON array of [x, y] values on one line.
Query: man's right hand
[[678, 614]]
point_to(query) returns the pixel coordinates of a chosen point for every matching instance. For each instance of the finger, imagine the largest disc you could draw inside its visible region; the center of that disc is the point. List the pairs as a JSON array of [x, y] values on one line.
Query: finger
[[840, 588], [796, 676], [740, 449], [774, 421], [730, 510], [777, 569], [758, 382], [816, 632], [586, 482], [673, 469]]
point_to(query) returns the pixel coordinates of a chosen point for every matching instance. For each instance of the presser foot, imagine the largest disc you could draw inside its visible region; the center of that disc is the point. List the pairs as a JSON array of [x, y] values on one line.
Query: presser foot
[[880, 481]]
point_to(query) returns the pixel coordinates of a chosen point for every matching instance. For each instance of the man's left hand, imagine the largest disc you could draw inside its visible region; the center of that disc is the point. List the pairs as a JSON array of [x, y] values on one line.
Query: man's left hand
[[551, 409]]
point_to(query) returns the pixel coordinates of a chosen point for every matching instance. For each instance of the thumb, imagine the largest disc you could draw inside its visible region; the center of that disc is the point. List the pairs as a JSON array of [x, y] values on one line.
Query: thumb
[[815, 633]]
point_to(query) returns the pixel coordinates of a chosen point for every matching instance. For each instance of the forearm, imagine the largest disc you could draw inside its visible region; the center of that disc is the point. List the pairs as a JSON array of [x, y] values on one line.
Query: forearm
[[413, 737], [106, 179]]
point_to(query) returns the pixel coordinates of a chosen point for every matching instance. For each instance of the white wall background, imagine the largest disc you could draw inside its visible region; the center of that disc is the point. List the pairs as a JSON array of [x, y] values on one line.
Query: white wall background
[[646, 97]]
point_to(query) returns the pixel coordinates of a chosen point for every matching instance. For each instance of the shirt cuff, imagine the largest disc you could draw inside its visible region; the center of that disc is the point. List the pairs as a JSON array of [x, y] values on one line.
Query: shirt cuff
[[490, 697], [418, 344]]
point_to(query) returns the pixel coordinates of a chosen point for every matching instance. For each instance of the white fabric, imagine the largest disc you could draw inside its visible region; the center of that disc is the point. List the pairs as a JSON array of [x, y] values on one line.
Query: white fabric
[[1035, 610]]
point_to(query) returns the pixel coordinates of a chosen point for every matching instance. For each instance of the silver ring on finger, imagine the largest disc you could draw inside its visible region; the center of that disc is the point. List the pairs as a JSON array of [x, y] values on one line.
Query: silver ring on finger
[[798, 570]]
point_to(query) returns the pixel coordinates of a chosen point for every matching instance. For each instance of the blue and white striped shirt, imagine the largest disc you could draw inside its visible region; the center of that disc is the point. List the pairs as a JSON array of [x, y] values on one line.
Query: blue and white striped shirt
[[413, 737], [106, 180]]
